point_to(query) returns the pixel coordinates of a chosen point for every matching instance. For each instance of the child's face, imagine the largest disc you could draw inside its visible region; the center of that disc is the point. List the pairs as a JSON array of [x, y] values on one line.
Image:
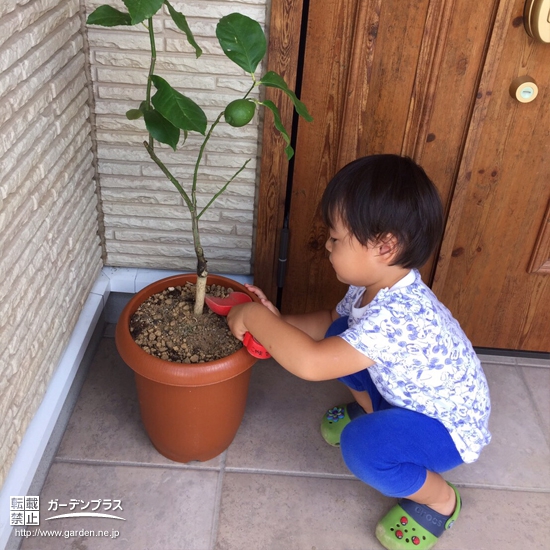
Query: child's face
[[358, 264], [354, 263]]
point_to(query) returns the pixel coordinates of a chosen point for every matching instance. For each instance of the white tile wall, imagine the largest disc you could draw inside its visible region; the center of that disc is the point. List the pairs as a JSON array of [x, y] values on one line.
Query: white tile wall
[[146, 222], [50, 253], [51, 170]]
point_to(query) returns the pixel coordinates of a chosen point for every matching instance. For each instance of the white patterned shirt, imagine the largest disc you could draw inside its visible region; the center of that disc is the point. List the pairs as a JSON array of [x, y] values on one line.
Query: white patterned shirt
[[423, 360]]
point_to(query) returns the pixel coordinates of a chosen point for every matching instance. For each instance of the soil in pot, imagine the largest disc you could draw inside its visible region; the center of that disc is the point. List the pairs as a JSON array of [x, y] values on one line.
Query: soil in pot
[[165, 326]]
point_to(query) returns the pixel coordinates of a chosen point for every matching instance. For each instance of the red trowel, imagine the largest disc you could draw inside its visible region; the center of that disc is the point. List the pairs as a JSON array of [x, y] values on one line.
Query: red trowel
[[222, 306]]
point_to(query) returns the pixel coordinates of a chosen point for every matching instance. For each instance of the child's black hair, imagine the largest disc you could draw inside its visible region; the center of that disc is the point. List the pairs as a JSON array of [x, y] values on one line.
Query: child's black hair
[[381, 195]]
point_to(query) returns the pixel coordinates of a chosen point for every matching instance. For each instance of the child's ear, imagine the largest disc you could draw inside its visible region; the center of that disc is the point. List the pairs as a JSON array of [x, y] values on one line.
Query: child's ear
[[388, 247]]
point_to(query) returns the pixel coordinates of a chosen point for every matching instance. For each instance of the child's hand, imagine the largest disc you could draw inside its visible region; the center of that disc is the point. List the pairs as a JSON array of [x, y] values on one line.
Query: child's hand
[[236, 322], [263, 299]]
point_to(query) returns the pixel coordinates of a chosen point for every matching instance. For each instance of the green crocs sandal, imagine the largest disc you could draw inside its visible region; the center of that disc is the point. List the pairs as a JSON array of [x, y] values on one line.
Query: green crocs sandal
[[336, 419], [412, 525]]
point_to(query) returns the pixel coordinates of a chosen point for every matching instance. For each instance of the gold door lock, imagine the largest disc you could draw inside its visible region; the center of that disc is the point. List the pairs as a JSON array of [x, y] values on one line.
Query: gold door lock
[[536, 18]]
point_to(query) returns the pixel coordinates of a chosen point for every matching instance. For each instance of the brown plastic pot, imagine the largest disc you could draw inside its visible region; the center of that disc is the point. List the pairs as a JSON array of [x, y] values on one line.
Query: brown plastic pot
[[189, 411]]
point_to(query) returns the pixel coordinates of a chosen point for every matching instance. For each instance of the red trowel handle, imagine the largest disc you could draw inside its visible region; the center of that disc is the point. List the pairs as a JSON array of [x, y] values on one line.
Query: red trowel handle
[[254, 347], [222, 306]]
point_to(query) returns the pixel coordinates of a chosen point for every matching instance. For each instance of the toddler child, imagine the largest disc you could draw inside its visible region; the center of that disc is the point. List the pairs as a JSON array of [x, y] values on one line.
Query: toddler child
[[420, 398]]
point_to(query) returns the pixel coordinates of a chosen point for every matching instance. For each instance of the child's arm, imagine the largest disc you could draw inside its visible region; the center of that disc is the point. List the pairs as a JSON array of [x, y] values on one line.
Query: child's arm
[[314, 324], [294, 349]]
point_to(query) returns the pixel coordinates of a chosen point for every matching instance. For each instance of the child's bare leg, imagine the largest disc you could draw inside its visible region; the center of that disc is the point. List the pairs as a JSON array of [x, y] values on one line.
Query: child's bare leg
[[436, 494], [363, 398]]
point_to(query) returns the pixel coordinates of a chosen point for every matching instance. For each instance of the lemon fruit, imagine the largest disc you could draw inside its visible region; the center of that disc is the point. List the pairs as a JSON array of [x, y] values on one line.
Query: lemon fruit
[[239, 112]]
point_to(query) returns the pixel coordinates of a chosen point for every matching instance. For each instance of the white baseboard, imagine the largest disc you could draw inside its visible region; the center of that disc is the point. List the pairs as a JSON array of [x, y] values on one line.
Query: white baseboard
[[132, 280], [39, 431]]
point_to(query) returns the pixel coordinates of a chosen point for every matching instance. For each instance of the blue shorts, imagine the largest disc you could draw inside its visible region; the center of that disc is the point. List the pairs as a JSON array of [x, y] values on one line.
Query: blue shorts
[[392, 448]]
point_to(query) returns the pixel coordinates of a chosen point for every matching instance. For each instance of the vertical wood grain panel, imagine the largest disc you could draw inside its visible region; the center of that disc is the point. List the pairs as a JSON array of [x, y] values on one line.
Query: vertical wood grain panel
[[500, 200], [325, 75], [284, 42], [430, 79], [450, 64], [359, 74], [540, 261]]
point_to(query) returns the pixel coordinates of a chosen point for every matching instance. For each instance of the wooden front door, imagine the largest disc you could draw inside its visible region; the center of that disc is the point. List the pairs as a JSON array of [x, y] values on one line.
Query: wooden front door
[[427, 79]]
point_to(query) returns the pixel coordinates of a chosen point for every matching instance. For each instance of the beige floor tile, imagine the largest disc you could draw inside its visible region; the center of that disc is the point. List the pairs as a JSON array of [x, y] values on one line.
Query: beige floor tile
[[271, 512], [163, 509], [543, 362], [499, 520], [281, 486], [518, 455], [105, 425], [538, 382], [497, 359], [280, 430]]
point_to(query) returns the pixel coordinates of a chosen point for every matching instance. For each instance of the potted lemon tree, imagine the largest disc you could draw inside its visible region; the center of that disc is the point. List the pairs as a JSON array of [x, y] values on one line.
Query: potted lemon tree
[[191, 407]]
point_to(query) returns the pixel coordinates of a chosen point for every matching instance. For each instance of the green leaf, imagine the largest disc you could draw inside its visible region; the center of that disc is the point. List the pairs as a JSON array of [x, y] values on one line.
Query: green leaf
[[161, 129], [181, 22], [279, 125], [106, 16], [142, 9], [242, 40], [274, 80], [181, 111], [133, 114]]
